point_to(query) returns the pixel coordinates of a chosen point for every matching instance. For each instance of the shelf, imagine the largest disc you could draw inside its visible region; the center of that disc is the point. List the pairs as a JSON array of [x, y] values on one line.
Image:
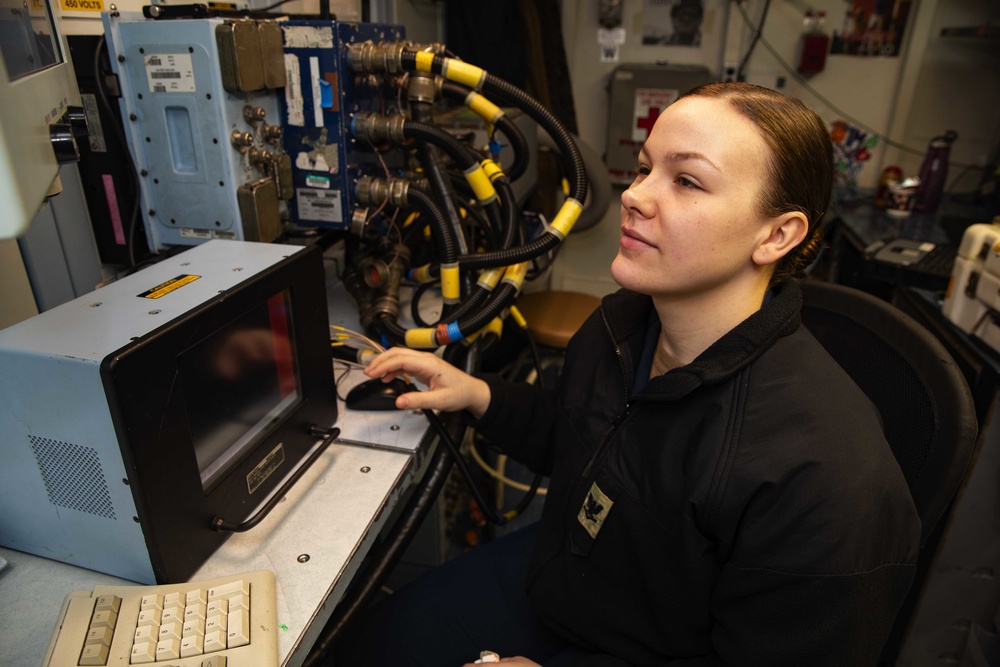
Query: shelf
[[987, 32]]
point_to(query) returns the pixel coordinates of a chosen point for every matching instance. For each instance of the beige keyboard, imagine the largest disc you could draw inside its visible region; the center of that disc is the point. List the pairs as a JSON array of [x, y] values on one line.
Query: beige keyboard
[[223, 622]]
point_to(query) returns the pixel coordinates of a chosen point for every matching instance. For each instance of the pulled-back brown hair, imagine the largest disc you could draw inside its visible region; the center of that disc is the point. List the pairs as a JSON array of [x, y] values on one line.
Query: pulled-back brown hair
[[801, 161]]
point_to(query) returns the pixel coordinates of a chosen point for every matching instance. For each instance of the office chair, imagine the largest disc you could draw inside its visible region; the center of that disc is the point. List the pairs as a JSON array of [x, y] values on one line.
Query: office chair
[[926, 406]]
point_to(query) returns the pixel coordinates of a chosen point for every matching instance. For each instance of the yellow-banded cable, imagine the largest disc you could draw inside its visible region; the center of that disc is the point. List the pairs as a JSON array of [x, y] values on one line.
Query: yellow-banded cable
[[422, 274], [566, 218], [463, 73], [451, 286], [515, 273], [421, 339], [483, 107], [490, 278], [492, 170], [518, 317], [480, 184]]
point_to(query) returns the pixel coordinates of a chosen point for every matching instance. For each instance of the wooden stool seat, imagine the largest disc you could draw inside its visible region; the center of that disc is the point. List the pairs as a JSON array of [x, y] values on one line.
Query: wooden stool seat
[[553, 317]]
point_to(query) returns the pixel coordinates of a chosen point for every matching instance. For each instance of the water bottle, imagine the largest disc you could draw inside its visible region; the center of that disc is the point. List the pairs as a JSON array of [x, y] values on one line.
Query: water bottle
[[934, 171]]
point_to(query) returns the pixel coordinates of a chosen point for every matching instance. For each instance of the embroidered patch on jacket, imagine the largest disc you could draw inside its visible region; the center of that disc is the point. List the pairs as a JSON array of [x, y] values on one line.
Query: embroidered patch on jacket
[[595, 510]]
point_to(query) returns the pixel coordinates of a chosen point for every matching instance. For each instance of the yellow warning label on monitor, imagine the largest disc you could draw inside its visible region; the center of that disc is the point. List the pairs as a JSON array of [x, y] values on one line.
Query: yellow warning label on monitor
[[83, 5], [166, 288]]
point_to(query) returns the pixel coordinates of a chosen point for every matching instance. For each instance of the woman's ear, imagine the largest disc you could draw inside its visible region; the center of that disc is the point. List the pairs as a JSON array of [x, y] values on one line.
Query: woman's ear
[[784, 233]]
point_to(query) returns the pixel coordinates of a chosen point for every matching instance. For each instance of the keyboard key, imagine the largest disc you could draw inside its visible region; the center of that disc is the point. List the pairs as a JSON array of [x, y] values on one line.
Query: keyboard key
[[214, 661], [196, 610], [168, 649], [228, 590], [196, 596], [239, 601], [151, 601], [108, 603], [217, 607], [149, 617], [99, 636], [192, 645], [170, 631], [94, 654], [215, 640], [216, 624], [172, 615], [193, 627], [104, 619], [143, 653], [145, 633], [239, 628], [171, 600]]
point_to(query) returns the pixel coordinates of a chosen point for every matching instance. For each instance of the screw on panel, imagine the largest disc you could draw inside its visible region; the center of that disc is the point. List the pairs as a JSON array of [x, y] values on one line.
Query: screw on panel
[[303, 558]]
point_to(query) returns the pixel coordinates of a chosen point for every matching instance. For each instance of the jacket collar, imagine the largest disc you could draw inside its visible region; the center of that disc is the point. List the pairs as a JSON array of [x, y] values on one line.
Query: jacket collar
[[627, 315]]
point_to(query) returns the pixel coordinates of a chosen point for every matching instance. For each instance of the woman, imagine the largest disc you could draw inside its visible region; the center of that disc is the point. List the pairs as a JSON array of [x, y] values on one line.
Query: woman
[[721, 492]]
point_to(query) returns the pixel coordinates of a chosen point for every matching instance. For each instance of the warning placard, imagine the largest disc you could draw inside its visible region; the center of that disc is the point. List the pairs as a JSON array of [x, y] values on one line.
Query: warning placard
[[83, 5], [166, 288]]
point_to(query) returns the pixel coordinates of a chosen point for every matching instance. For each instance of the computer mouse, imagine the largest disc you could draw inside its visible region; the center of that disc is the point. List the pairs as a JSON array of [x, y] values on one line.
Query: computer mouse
[[377, 395]]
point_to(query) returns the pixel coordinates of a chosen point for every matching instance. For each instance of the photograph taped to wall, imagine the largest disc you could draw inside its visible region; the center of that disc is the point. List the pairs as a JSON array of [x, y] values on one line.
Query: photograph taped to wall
[[673, 22]]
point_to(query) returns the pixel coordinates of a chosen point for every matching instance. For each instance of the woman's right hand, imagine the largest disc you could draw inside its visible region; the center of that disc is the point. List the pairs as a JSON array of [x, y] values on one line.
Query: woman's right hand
[[448, 388]]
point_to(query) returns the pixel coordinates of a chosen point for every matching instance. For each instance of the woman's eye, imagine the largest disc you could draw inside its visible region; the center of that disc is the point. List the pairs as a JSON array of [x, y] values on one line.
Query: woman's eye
[[685, 182], [642, 170]]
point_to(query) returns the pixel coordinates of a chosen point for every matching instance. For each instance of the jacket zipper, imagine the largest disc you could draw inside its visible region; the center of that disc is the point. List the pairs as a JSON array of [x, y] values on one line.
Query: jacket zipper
[[607, 438], [628, 400]]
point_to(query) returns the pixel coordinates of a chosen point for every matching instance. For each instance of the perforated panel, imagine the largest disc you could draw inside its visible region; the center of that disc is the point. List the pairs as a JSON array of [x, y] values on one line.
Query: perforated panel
[[73, 476]]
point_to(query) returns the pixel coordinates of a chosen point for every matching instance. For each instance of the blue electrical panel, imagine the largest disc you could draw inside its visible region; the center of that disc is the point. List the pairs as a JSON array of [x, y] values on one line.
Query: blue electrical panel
[[183, 128], [321, 97]]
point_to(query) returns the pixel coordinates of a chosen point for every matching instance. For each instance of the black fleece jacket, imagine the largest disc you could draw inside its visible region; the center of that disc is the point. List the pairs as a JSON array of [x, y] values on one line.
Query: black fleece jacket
[[744, 509]]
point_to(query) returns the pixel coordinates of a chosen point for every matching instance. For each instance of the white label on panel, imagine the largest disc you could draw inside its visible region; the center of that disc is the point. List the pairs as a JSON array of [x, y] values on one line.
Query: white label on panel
[[323, 205], [169, 72]]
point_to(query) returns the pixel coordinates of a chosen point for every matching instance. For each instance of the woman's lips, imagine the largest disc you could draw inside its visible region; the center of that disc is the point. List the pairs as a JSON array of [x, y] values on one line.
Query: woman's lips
[[630, 239]]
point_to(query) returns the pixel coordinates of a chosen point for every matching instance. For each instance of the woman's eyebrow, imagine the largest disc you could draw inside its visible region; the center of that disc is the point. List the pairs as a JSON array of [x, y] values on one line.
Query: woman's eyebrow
[[683, 156], [680, 156]]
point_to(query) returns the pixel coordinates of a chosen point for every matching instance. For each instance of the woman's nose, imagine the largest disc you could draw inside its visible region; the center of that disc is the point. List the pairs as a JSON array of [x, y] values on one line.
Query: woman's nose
[[636, 198]]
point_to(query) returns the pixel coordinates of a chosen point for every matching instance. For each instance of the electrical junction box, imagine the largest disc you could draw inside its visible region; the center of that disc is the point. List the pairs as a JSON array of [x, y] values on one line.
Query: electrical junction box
[[317, 107], [201, 121], [637, 96]]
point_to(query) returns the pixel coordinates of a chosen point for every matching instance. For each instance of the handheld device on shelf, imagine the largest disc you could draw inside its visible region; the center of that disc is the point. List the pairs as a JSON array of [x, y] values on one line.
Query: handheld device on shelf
[[222, 622]]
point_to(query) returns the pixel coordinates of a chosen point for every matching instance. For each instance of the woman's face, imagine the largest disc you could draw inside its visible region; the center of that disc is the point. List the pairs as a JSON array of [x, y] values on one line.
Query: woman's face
[[689, 223]]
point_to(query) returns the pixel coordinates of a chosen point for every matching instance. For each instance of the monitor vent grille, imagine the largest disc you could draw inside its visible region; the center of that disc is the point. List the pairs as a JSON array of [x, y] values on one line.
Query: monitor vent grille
[[73, 476]]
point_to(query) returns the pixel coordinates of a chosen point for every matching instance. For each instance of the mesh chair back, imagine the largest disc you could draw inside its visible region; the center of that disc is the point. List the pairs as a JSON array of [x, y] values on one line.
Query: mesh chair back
[[926, 407]]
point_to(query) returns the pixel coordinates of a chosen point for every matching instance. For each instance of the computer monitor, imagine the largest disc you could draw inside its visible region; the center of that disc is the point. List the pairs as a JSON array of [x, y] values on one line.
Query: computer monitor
[[37, 85]]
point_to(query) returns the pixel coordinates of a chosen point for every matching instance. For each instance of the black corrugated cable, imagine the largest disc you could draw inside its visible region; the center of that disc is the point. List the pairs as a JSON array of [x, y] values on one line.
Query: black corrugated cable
[[503, 123]]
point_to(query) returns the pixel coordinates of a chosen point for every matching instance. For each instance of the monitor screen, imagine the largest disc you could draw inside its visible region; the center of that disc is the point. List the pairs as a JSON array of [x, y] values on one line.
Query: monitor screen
[[238, 383]]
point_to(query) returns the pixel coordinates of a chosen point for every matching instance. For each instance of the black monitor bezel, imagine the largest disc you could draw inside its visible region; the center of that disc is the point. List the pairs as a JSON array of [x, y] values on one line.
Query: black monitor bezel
[[174, 509]]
